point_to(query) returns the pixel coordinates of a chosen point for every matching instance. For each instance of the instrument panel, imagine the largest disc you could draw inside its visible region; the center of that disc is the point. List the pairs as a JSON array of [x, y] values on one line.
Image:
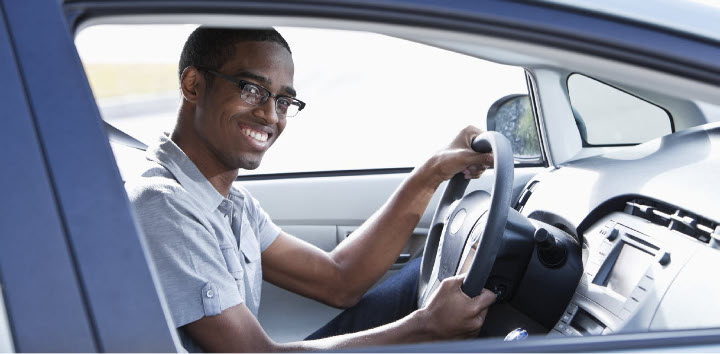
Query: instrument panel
[[629, 264]]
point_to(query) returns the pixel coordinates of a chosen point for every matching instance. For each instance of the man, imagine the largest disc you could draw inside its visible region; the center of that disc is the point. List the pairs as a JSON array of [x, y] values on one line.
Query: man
[[212, 244]]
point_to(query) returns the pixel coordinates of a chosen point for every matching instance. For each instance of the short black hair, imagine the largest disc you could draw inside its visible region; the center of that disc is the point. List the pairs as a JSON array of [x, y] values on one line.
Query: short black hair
[[211, 47]]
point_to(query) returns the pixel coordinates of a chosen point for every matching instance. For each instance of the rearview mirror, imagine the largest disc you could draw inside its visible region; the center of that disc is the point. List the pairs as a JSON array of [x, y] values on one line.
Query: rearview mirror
[[512, 117]]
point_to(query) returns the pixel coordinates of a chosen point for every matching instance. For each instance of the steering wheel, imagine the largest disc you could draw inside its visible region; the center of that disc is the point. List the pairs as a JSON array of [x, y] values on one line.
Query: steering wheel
[[475, 224]]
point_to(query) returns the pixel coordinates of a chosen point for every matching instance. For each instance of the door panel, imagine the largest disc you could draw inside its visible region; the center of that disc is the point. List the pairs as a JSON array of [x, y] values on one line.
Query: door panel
[[322, 236], [324, 211]]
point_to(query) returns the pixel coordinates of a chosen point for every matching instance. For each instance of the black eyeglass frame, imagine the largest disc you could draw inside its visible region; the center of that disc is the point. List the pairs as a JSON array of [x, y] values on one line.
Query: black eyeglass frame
[[242, 83]]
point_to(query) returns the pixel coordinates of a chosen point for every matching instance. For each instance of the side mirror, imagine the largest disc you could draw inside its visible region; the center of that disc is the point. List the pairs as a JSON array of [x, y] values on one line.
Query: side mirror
[[512, 117]]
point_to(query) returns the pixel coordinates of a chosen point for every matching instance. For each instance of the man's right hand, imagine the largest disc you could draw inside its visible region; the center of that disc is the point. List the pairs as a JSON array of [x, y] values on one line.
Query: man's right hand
[[450, 314]]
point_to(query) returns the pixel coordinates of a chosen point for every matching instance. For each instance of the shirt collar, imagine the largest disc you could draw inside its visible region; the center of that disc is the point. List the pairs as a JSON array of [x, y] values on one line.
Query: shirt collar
[[169, 155]]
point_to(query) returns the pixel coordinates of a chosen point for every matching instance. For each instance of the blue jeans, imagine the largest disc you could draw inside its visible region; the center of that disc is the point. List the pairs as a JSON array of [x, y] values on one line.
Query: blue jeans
[[390, 301]]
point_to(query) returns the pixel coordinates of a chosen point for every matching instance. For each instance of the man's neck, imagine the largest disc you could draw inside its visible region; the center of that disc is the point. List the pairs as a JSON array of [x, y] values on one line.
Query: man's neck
[[219, 176]]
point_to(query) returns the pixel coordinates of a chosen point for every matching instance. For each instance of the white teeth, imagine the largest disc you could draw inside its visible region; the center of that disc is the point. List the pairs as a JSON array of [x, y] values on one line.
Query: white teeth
[[259, 136]]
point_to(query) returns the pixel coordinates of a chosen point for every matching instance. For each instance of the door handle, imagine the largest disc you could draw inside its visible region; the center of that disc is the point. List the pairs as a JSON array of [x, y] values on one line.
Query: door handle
[[403, 258]]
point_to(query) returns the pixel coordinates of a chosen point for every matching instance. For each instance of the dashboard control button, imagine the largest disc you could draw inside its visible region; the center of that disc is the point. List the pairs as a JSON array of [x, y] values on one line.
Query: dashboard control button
[[561, 327], [572, 309], [569, 331], [614, 233], [566, 318], [665, 259], [544, 239], [551, 252]]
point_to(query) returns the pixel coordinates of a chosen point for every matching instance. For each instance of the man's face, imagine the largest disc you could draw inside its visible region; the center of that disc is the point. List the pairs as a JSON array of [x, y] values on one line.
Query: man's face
[[237, 132]]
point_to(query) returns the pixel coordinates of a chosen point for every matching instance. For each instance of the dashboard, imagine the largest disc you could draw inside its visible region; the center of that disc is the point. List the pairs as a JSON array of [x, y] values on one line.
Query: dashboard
[[647, 221], [631, 265]]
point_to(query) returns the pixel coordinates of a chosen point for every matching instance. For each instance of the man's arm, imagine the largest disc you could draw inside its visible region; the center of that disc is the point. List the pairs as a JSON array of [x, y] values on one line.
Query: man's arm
[[449, 314], [340, 278]]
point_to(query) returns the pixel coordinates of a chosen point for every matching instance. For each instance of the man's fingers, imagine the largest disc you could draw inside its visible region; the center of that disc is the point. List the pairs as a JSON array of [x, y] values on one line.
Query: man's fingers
[[484, 300], [454, 281], [472, 158], [471, 132], [485, 159], [466, 136], [483, 314], [473, 172]]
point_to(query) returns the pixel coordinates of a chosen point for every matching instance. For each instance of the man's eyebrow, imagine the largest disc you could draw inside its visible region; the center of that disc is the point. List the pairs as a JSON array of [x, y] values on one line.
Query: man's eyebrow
[[264, 80], [253, 76], [290, 91]]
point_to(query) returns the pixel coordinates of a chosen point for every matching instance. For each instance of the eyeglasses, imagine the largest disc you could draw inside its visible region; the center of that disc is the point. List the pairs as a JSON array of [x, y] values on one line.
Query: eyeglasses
[[257, 95]]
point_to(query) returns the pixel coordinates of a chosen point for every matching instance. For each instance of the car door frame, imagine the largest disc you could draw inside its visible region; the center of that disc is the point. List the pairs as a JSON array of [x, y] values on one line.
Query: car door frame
[[74, 107], [75, 275]]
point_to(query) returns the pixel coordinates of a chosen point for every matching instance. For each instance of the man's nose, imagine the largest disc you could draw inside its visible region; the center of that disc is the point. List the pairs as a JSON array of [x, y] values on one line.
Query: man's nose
[[268, 112]]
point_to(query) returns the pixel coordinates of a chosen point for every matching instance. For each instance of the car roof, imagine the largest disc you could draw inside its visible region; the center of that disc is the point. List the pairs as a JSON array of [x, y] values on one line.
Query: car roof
[[697, 17]]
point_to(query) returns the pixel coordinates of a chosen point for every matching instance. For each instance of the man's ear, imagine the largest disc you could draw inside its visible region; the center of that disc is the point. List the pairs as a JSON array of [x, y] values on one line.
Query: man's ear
[[192, 82]]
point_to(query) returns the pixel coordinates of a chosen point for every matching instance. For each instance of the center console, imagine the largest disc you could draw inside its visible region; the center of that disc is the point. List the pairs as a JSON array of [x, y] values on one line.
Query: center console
[[629, 264]]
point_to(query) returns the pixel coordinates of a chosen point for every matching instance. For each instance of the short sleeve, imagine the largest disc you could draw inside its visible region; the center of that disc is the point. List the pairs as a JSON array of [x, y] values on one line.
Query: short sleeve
[[185, 253]]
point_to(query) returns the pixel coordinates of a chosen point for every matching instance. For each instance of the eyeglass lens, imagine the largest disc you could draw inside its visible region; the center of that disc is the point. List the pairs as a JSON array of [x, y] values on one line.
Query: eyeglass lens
[[256, 95]]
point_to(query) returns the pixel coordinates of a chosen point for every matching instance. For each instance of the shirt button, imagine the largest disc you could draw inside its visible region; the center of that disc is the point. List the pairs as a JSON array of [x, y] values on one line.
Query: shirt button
[[209, 293]]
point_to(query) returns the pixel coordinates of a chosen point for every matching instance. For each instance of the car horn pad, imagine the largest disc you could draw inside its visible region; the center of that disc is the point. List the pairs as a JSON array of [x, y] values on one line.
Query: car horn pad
[[467, 219]]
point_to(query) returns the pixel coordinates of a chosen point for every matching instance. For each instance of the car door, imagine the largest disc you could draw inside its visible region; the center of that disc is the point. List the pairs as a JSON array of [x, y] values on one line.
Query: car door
[[74, 273], [99, 219]]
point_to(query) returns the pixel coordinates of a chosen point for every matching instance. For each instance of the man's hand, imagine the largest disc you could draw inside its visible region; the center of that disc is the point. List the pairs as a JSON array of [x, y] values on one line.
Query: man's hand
[[450, 314], [459, 157]]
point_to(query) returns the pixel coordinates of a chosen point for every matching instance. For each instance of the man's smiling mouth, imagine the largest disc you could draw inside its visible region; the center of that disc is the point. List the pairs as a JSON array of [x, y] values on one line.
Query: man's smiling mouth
[[255, 134]]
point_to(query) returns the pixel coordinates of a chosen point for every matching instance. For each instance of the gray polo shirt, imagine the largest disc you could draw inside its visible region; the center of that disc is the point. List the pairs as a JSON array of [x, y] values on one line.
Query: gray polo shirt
[[205, 247]]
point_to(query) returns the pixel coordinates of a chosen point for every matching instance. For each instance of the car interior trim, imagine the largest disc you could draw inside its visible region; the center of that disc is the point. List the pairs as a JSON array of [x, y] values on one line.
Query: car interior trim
[[539, 118]]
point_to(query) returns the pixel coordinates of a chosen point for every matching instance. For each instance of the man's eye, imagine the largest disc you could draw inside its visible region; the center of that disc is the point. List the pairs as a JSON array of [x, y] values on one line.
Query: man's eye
[[284, 102], [252, 89]]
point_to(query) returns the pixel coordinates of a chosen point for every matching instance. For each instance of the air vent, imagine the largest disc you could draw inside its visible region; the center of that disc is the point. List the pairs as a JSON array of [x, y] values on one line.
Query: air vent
[[674, 219], [525, 195]]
